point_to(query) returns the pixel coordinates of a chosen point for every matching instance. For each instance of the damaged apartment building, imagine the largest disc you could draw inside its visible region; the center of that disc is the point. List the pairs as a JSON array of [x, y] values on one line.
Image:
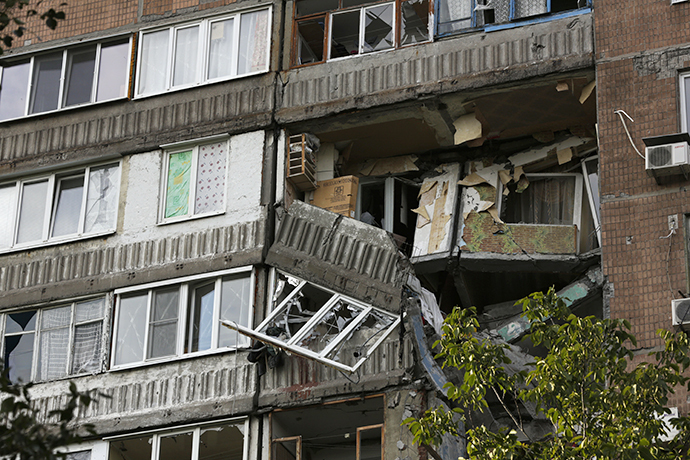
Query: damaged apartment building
[[243, 221]]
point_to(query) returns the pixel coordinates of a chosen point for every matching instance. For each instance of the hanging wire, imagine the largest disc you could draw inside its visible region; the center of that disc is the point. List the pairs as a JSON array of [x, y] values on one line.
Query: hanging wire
[[620, 113], [668, 259]]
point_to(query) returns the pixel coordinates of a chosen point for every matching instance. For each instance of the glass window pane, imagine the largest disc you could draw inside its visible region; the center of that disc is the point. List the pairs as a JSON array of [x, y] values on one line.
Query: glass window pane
[[131, 449], [56, 317], [154, 61], [53, 354], [356, 347], [89, 310], [378, 28], [330, 326], [526, 8], [80, 66], [297, 311], [45, 86], [220, 49], [253, 42], [68, 206], [186, 54], [210, 178], [15, 84], [87, 348], [176, 447], [225, 441], [345, 34], [8, 201], [163, 327], [131, 328], [310, 40], [201, 319], [305, 7], [236, 307], [177, 193], [415, 22], [19, 353], [20, 322], [32, 212], [102, 199], [454, 15], [112, 71]]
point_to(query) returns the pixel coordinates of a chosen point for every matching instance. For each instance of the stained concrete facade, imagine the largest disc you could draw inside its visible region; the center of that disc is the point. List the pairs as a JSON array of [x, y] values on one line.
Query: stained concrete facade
[[439, 135]]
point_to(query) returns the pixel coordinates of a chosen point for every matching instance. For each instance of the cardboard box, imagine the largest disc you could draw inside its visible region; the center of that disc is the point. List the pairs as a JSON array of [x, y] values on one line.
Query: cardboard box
[[337, 195]]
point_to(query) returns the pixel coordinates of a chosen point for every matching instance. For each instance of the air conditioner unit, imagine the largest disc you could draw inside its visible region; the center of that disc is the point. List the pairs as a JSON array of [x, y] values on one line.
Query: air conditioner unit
[[680, 311], [667, 155]]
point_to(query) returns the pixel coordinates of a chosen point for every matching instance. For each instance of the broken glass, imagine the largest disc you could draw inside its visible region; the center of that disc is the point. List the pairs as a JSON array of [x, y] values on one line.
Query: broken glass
[[328, 328], [378, 28], [235, 306], [357, 346], [223, 441], [310, 39], [308, 7], [415, 21], [163, 324], [296, 311], [68, 206], [19, 344]]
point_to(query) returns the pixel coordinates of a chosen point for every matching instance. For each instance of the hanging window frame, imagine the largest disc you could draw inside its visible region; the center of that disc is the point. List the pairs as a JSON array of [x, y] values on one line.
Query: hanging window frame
[[476, 22], [186, 298], [325, 18], [202, 66], [23, 93], [41, 314], [327, 311], [195, 148], [154, 437], [13, 194]]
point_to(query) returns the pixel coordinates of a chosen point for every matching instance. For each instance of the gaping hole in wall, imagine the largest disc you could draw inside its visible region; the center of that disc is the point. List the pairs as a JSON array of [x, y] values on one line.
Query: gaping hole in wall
[[351, 429]]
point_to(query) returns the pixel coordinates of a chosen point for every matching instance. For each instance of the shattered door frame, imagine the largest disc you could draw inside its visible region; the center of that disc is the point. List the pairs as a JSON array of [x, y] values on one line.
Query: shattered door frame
[[291, 345]]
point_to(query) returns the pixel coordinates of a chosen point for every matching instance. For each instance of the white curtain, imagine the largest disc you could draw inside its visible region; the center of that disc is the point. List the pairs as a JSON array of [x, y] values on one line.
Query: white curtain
[[546, 201], [186, 56], [8, 201], [154, 60], [253, 42], [220, 49]]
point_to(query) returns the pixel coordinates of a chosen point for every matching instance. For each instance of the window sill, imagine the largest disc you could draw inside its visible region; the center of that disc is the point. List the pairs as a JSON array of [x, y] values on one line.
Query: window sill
[[63, 110], [188, 218], [174, 359], [55, 242]]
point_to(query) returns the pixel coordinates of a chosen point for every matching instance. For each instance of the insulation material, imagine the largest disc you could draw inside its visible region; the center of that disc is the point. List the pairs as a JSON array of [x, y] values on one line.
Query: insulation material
[[504, 175], [429, 306], [564, 156], [467, 128], [538, 154], [385, 166], [439, 202], [472, 180]]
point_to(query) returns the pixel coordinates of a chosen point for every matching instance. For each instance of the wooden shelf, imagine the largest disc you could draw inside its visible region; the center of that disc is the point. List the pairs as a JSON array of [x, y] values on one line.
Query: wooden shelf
[[301, 163]]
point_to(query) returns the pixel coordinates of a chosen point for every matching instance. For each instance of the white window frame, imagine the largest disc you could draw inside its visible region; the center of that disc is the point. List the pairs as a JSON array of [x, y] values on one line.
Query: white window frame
[[63, 76], [362, 23], [684, 102], [193, 146], [99, 449], [184, 309], [203, 51], [54, 180], [292, 346], [39, 309], [592, 196]]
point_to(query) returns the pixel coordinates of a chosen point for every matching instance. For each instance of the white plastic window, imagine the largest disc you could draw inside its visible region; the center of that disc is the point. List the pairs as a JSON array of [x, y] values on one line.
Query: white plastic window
[[59, 207], [54, 342], [194, 181], [319, 324], [167, 320], [66, 78], [685, 102], [203, 52]]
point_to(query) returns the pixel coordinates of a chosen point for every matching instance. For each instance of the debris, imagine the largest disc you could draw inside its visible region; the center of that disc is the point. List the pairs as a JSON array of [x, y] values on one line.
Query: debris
[[467, 128], [564, 156], [587, 91], [386, 166]]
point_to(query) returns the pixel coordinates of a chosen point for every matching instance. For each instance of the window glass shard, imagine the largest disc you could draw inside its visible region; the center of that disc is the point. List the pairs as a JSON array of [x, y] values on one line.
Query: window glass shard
[[378, 28], [81, 64], [223, 441], [19, 345], [220, 49], [297, 311], [330, 326], [102, 199], [68, 206], [15, 85], [32, 214], [235, 292], [177, 196], [415, 22]]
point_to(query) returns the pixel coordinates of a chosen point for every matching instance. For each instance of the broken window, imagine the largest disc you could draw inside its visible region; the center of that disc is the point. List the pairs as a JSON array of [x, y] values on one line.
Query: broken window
[[194, 182], [55, 342], [319, 324], [209, 441], [164, 320], [459, 15], [356, 27], [349, 429], [546, 199], [59, 206], [66, 78], [203, 52]]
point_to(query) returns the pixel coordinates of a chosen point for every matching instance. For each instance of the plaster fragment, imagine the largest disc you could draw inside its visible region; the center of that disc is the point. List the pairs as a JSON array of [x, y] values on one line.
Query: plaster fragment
[[472, 180], [518, 173], [564, 156], [587, 91], [467, 128]]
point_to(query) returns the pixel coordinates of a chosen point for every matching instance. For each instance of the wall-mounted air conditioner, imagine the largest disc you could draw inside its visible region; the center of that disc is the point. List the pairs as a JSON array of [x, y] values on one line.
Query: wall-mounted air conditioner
[[667, 155], [680, 311]]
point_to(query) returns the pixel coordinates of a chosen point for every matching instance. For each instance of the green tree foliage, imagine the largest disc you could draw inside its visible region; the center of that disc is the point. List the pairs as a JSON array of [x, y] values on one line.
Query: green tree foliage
[[600, 406], [13, 16], [24, 436]]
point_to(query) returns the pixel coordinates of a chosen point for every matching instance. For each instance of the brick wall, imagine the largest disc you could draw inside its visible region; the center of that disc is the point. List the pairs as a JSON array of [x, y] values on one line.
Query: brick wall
[[638, 62]]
